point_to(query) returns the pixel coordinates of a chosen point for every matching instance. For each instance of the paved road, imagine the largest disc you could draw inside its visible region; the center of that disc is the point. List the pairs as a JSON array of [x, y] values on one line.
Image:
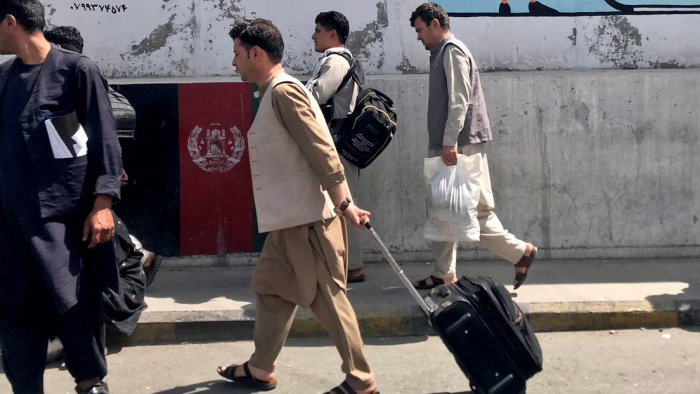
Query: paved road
[[633, 361]]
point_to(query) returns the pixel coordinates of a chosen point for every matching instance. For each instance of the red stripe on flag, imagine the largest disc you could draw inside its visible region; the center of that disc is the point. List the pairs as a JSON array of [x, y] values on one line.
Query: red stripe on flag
[[216, 193]]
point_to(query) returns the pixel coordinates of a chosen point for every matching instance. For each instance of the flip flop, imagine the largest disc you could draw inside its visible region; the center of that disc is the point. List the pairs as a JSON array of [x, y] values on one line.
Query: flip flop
[[525, 262], [248, 380]]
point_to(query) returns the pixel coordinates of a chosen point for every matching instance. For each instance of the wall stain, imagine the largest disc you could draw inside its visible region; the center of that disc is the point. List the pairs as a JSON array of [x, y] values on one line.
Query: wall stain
[[229, 9], [359, 41], [156, 40], [406, 68], [546, 217], [685, 136], [670, 65], [641, 132], [159, 36], [618, 42], [574, 36], [582, 114]]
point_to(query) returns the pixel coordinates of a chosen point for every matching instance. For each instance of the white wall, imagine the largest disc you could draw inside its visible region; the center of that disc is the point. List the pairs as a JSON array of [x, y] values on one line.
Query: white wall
[[188, 38]]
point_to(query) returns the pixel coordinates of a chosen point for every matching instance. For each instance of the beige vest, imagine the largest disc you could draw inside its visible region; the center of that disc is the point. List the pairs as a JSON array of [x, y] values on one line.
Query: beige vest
[[287, 192]]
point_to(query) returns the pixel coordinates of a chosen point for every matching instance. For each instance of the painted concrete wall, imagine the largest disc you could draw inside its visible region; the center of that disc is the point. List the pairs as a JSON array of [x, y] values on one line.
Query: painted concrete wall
[[585, 164], [188, 38]]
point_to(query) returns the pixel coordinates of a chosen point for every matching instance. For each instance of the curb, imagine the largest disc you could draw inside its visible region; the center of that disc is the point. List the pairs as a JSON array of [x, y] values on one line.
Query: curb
[[235, 325]]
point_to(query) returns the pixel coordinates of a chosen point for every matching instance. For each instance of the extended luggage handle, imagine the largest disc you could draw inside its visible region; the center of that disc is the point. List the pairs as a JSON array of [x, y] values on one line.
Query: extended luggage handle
[[421, 302]]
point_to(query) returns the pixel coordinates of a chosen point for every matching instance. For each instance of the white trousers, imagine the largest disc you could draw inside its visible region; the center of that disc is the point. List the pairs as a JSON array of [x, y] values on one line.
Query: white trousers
[[493, 236]]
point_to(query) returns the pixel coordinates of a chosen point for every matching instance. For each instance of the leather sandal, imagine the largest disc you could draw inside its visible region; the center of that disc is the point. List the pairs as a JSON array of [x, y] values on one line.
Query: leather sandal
[[353, 278], [248, 380], [525, 262], [345, 388], [428, 283]]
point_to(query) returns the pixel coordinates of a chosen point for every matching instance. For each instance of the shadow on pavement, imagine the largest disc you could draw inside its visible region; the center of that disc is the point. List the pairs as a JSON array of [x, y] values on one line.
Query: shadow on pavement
[[368, 341], [461, 392], [687, 304], [212, 387]]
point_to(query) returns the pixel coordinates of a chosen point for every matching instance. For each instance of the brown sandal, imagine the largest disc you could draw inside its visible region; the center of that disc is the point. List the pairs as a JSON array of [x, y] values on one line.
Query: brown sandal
[[248, 380], [428, 283], [525, 262], [345, 388]]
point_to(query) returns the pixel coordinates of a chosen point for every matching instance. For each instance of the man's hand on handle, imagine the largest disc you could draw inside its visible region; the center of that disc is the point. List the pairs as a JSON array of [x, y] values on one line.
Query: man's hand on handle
[[99, 225], [449, 155], [356, 216]]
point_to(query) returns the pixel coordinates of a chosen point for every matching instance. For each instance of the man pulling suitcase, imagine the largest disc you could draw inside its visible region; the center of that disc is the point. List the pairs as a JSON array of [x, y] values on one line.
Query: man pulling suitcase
[[483, 328]]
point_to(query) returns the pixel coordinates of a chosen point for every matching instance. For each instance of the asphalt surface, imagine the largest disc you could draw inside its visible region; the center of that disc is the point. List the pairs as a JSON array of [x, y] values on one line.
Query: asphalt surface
[[632, 361]]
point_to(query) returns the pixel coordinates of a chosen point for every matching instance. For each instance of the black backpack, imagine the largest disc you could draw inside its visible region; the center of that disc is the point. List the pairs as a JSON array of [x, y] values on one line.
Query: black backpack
[[124, 114], [361, 136]]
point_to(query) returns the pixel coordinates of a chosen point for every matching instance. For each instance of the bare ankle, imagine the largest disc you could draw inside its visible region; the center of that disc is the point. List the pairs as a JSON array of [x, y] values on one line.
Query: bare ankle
[[260, 374]]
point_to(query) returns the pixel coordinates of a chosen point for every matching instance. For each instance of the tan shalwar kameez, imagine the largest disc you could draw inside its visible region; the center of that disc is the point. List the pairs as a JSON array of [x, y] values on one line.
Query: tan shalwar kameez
[[307, 265]]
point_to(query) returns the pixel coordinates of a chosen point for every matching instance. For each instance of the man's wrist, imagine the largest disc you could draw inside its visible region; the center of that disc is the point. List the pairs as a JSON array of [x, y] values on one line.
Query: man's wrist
[[102, 201], [340, 209]]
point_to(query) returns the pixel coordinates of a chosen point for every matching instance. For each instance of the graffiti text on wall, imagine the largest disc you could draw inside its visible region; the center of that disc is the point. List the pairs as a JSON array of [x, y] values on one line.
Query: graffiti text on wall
[[457, 8], [107, 8]]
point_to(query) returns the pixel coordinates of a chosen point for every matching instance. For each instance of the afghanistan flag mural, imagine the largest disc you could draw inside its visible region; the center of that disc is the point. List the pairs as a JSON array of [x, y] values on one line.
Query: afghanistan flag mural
[[189, 190]]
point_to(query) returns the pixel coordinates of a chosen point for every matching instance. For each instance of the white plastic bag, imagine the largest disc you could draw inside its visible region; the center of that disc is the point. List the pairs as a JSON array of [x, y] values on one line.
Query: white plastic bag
[[453, 194]]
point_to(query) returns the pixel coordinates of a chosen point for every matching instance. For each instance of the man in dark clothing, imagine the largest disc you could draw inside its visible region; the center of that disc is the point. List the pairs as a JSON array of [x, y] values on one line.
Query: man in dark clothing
[[60, 166], [137, 266]]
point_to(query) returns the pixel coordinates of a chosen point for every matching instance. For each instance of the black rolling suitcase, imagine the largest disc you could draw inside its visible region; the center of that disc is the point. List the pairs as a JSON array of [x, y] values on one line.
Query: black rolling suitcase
[[483, 328]]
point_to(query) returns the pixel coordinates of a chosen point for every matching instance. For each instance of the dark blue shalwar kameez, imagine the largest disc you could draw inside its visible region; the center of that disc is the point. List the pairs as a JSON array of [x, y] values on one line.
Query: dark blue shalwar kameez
[[50, 283]]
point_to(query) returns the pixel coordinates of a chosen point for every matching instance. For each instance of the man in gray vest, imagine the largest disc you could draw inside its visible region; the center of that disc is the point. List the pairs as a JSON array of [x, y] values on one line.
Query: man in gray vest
[[458, 123], [302, 199], [332, 88]]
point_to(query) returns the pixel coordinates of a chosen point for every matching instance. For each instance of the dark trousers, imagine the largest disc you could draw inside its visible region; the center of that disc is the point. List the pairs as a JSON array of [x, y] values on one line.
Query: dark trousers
[[26, 330]]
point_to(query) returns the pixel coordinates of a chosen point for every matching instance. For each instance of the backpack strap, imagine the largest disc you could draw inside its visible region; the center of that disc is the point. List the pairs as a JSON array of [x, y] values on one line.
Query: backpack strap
[[350, 74]]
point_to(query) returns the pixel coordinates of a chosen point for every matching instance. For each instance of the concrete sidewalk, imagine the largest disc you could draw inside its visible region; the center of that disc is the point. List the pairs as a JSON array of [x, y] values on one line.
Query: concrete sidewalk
[[216, 304]]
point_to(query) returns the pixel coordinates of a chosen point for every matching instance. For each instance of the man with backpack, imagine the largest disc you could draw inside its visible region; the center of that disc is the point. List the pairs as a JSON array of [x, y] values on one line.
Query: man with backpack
[[336, 91], [458, 123]]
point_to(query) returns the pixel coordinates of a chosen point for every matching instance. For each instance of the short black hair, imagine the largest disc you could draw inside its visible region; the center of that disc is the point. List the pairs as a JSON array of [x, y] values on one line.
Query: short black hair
[[29, 13], [67, 37], [334, 20], [261, 33], [429, 11]]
